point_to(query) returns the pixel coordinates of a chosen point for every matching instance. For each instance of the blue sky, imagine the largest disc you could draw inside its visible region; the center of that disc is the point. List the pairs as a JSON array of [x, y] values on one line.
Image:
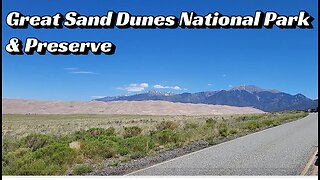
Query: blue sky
[[177, 60]]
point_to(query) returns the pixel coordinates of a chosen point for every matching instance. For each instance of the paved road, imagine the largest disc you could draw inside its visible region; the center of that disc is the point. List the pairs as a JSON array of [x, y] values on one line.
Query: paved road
[[282, 150]]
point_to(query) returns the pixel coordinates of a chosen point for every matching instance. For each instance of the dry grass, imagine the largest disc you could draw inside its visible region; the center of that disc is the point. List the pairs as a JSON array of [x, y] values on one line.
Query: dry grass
[[15, 126]]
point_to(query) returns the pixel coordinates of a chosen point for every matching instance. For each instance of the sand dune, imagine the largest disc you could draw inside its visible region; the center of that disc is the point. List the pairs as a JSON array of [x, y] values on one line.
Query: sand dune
[[20, 106]]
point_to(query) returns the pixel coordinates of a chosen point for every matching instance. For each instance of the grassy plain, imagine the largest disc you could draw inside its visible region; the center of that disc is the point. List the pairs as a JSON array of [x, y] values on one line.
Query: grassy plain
[[78, 144]]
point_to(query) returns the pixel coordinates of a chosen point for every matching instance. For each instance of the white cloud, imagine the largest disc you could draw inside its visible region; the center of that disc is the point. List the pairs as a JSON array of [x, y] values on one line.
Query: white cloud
[[97, 97], [135, 87], [71, 69], [82, 72], [145, 85], [176, 88], [75, 70], [230, 86], [158, 86], [210, 84]]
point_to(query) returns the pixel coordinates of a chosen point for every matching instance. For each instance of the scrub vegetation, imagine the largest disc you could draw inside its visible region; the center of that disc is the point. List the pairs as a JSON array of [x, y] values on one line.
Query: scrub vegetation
[[33, 148]]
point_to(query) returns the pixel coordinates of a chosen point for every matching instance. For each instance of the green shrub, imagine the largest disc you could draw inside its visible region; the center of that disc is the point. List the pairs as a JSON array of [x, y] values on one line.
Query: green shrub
[[118, 143], [123, 150], [11, 145], [211, 121], [114, 138], [13, 161], [252, 125], [95, 132], [78, 135], [223, 130], [139, 144], [92, 133], [41, 167], [168, 136], [191, 126], [269, 122], [36, 141], [50, 160], [20, 153], [132, 131], [98, 150], [167, 125], [82, 169], [241, 118], [6, 171], [233, 131], [57, 153]]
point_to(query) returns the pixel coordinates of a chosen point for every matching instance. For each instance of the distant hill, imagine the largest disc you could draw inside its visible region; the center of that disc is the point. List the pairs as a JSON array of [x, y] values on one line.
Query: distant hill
[[268, 100]]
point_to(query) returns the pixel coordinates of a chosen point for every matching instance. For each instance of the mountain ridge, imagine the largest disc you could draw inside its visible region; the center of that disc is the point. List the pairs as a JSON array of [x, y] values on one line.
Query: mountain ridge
[[269, 100]]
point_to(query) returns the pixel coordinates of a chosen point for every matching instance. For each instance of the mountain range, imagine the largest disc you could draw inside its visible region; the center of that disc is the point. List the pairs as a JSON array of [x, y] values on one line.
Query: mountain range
[[269, 100]]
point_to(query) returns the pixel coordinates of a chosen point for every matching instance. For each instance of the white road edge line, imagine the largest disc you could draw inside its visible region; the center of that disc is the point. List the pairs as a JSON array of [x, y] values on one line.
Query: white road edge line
[[214, 146]]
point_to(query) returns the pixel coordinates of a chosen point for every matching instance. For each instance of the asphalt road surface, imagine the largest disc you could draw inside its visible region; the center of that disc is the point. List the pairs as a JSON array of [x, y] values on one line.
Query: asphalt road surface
[[282, 150]]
